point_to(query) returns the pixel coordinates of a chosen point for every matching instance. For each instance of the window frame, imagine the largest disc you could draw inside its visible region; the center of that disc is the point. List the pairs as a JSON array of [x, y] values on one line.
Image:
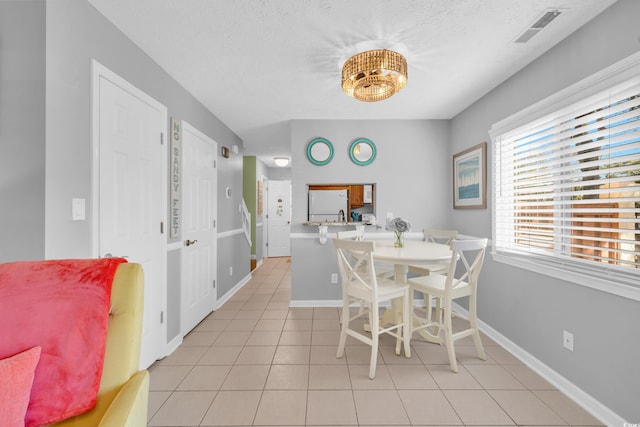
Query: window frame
[[610, 280]]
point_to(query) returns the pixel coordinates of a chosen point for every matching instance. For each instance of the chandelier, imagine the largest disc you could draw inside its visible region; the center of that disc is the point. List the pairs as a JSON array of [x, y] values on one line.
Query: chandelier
[[374, 75]]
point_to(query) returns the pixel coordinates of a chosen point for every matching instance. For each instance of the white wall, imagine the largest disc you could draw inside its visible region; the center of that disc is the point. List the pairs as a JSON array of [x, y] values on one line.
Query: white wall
[[532, 309]]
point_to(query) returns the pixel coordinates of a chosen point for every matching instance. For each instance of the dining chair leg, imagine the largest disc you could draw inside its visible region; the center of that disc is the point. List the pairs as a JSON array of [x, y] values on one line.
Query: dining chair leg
[[375, 327], [427, 305], [448, 332], [438, 308], [473, 320], [343, 329], [407, 318]]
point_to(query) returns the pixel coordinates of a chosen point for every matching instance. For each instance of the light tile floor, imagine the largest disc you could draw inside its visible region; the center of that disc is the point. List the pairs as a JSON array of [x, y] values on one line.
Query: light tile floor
[[256, 361]]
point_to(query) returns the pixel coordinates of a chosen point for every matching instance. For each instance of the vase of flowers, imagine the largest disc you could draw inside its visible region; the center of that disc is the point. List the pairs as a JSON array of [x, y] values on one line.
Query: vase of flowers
[[398, 226]]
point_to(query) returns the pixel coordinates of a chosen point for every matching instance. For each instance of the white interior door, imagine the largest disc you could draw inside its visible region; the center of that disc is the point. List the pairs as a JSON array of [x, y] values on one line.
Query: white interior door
[[130, 192], [199, 194], [279, 218]]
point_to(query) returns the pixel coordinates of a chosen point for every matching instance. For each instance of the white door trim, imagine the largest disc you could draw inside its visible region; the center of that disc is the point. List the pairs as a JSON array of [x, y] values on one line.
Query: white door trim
[[100, 71]]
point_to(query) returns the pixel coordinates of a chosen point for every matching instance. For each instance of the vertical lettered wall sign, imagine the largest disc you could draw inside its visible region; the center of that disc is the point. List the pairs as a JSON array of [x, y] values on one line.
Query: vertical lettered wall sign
[[176, 166]]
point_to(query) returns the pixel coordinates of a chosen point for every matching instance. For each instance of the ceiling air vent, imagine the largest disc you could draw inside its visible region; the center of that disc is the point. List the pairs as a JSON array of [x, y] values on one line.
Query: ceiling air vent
[[538, 25]]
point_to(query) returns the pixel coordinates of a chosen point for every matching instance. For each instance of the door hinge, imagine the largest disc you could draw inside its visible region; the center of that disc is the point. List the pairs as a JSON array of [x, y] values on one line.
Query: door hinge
[[162, 228], [215, 164], [214, 223], [161, 138], [162, 317], [267, 244], [214, 283]]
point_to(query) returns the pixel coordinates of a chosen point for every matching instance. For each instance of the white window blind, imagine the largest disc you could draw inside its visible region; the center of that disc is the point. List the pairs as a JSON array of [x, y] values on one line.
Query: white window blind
[[567, 186]]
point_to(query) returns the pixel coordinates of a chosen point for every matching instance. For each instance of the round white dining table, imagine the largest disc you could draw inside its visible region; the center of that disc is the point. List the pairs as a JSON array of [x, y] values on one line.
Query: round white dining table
[[414, 252]]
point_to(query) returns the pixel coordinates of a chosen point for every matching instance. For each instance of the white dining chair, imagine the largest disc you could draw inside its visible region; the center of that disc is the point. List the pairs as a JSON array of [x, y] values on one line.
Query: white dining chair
[[460, 280], [434, 235], [382, 270], [360, 284]]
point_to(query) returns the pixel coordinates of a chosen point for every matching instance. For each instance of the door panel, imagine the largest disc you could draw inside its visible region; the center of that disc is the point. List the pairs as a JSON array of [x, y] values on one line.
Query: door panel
[[199, 212], [279, 218], [130, 201]]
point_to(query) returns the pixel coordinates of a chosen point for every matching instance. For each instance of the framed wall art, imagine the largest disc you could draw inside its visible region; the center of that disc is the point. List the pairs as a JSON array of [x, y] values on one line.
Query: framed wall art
[[470, 178]]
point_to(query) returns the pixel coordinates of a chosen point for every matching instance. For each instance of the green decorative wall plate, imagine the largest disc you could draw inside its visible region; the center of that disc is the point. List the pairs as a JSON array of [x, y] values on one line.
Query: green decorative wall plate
[[320, 151], [362, 151]]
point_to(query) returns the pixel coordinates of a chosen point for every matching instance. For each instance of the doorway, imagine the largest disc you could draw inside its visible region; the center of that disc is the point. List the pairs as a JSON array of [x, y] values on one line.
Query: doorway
[[199, 255], [129, 192], [279, 218]]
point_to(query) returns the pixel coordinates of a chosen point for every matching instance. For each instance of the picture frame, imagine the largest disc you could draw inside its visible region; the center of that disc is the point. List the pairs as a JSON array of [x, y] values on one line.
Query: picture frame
[[470, 178]]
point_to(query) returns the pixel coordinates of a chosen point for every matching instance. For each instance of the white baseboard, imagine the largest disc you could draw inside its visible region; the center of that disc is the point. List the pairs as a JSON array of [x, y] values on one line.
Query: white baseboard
[[325, 303], [232, 291], [316, 303], [174, 344], [586, 401]]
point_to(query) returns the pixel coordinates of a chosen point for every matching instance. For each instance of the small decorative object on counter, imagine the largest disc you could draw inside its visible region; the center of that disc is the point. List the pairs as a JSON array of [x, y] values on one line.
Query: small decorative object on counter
[[398, 226]]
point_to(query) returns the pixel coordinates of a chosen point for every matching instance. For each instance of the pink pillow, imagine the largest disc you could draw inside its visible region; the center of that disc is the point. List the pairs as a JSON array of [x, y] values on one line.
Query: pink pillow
[[15, 388]]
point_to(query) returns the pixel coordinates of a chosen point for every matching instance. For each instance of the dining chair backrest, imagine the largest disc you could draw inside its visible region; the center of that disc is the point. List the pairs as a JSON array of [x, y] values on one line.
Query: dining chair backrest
[[469, 253], [355, 261], [437, 235]]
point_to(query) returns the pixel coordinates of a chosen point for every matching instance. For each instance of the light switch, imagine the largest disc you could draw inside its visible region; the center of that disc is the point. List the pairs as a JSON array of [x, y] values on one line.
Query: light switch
[[78, 209]]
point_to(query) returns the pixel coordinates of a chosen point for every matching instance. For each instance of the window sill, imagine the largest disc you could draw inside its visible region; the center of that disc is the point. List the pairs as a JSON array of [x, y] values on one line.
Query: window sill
[[612, 285]]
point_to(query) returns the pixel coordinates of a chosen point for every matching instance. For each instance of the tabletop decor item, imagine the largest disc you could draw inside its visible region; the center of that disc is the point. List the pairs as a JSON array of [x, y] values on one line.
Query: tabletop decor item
[[398, 226]]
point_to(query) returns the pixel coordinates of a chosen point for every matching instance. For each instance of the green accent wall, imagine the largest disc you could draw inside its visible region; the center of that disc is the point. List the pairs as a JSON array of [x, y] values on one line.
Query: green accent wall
[[249, 191]]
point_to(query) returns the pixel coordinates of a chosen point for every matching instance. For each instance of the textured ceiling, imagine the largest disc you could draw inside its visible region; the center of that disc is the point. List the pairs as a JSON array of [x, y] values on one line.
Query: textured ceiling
[[256, 64]]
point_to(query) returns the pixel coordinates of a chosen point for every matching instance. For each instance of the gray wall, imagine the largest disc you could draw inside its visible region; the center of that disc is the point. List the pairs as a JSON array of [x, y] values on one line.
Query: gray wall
[[75, 34], [280, 174], [22, 129], [234, 253], [532, 309], [411, 173]]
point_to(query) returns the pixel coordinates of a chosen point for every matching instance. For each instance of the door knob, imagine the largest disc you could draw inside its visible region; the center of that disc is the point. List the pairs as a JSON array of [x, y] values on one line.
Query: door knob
[[108, 255], [190, 242]]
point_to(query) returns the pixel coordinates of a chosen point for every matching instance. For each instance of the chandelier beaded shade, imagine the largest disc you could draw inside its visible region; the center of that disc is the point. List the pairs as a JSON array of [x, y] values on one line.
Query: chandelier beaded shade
[[374, 75]]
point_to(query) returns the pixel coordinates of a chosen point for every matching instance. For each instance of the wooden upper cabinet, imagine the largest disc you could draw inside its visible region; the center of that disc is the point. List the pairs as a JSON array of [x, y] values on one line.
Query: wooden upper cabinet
[[356, 196]]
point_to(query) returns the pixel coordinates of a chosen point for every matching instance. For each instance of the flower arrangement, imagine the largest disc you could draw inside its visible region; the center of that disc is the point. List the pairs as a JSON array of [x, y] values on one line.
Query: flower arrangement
[[398, 226]]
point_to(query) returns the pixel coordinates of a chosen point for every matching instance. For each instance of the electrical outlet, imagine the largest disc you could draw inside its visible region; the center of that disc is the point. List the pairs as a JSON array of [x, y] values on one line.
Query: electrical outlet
[[334, 278], [567, 340]]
